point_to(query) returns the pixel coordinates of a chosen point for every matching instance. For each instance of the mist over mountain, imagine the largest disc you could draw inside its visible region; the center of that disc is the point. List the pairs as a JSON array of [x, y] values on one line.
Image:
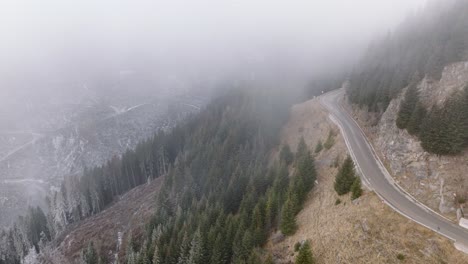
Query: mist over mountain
[[233, 132]]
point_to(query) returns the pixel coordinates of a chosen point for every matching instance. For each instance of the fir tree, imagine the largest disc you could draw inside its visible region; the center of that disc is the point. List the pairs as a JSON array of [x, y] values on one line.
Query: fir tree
[[305, 255], [89, 255], [318, 147], [269, 260], [156, 256], [288, 224], [356, 188], [301, 148], [416, 120], [330, 140], [253, 258], [286, 155], [345, 177], [184, 250], [196, 249], [407, 107], [305, 175]]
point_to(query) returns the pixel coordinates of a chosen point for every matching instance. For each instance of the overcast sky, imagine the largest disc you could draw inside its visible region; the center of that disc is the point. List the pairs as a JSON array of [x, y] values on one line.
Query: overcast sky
[[59, 35]]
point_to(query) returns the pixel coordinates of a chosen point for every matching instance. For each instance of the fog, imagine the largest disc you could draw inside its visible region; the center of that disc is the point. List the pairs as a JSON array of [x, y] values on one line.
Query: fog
[[81, 81], [47, 41]]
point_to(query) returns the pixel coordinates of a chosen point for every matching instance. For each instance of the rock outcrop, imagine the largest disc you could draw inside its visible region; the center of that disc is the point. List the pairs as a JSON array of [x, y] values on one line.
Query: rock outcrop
[[441, 182]]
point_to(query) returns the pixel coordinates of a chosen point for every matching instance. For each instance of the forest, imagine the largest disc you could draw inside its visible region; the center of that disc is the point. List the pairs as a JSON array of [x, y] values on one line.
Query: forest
[[221, 195], [443, 130], [420, 48], [221, 199]]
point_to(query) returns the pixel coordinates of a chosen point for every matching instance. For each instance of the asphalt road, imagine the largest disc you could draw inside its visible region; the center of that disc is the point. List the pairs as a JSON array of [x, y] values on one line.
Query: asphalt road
[[376, 176]]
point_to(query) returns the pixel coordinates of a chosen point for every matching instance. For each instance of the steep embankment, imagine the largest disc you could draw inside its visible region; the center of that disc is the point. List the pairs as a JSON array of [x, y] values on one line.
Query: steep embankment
[[361, 231], [108, 228], [434, 180]]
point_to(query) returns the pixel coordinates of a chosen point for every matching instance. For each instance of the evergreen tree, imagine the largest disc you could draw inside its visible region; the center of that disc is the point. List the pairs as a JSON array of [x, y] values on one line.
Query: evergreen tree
[[444, 131], [301, 148], [196, 250], [286, 155], [305, 255], [318, 147], [89, 255], [288, 224], [306, 171], [156, 256], [330, 140], [218, 255], [416, 120], [407, 107], [424, 44], [432, 138], [345, 177], [143, 256], [269, 260], [356, 188], [184, 250]]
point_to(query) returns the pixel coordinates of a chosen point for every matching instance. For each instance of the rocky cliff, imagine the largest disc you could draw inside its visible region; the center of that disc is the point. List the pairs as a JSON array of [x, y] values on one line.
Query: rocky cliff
[[441, 182]]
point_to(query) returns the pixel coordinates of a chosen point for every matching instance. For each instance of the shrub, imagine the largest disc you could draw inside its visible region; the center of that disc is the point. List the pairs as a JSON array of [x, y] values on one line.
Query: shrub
[[330, 140], [356, 189], [297, 246]]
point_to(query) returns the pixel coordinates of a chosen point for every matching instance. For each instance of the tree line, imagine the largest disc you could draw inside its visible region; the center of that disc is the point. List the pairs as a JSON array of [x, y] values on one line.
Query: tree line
[[220, 198], [443, 130], [420, 47]]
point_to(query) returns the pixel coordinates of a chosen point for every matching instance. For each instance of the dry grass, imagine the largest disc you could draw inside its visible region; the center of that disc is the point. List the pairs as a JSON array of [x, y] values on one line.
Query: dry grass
[[366, 231]]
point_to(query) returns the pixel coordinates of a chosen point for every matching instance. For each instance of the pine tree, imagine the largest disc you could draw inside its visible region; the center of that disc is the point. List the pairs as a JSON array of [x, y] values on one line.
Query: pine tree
[[269, 260], [301, 148], [286, 155], [444, 131], [345, 177], [319, 146], [89, 255], [305, 255], [196, 249], [416, 120], [431, 135], [288, 224], [330, 140], [407, 106], [464, 114], [184, 250], [218, 254], [258, 224], [142, 257], [156, 256], [306, 170], [356, 188]]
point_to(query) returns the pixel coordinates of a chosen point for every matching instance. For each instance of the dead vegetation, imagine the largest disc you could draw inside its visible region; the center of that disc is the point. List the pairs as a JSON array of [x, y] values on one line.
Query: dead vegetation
[[128, 215], [361, 231]]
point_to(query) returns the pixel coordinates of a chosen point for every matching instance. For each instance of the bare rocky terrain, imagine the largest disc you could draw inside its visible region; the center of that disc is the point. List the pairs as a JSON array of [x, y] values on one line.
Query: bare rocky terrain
[[362, 231]]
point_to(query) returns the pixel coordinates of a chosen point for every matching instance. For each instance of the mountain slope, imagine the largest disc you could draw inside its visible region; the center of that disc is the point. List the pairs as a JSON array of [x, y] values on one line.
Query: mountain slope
[[438, 181], [361, 231]]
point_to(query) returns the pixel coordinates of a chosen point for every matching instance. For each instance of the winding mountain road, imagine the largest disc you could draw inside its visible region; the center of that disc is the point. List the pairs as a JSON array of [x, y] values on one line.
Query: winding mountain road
[[377, 178]]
